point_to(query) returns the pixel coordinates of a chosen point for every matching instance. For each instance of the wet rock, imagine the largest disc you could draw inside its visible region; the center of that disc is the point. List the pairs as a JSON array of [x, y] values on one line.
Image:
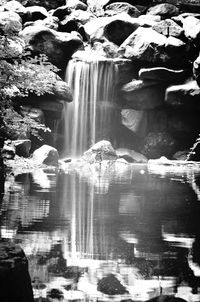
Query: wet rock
[[168, 28], [145, 44], [157, 144], [143, 95], [162, 74], [184, 96], [22, 147], [110, 49], [131, 156], [61, 12], [102, 150], [118, 30], [120, 7], [191, 27], [135, 120], [59, 47], [62, 91], [180, 155], [8, 151], [46, 155], [110, 285], [75, 20], [165, 10], [10, 23], [76, 4], [14, 275]]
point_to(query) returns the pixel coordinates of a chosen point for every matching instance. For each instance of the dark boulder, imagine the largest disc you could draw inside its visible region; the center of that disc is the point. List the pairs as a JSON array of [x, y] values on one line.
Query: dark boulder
[[162, 74], [14, 276], [34, 13], [110, 285], [157, 144], [59, 47], [196, 70]]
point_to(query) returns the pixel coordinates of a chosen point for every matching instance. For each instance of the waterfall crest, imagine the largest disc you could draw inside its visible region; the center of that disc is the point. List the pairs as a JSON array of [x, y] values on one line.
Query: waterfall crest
[[88, 118]]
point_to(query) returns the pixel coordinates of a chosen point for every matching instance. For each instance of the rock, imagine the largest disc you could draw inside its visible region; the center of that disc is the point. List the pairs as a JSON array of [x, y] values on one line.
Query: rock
[[118, 30], [8, 151], [191, 27], [131, 155], [13, 49], [61, 12], [22, 147], [110, 49], [76, 4], [162, 74], [46, 155], [180, 155], [62, 91], [34, 13], [166, 298], [102, 150], [14, 276], [143, 95], [149, 19], [50, 22], [184, 96], [157, 144], [59, 47], [110, 285], [75, 21], [52, 4], [145, 44], [14, 6], [120, 7], [10, 23], [168, 28], [135, 120], [165, 10], [196, 70], [34, 113], [190, 7], [55, 294]]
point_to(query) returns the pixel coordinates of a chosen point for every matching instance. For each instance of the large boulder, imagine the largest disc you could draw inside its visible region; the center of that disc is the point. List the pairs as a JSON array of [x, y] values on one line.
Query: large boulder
[[46, 155], [157, 144], [185, 96], [51, 22], [61, 12], [143, 95], [120, 7], [165, 10], [14, 276], [168, 28], [162, 74], [59, 47], [145, 44], [10, 23], [22, 147], [14, 6], [102, 150], [118, 30], [191, 27]]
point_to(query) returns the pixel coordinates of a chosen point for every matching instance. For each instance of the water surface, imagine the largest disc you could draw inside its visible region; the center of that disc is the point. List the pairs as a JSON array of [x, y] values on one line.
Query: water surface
[[139, 223]]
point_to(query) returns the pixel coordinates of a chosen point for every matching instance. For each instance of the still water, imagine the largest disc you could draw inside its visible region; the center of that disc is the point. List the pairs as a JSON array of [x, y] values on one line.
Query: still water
[[139, 223]]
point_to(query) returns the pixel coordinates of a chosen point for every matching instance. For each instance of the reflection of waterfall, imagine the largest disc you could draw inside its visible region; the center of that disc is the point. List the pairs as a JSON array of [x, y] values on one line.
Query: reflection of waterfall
[[88, 117]]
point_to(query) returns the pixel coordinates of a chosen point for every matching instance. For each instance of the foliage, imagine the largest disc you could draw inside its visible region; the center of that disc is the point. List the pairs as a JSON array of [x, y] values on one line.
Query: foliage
[[19, 78]]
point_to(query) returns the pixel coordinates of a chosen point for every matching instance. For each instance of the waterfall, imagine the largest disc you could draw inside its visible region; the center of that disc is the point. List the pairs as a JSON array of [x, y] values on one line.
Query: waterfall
[[89, 117]]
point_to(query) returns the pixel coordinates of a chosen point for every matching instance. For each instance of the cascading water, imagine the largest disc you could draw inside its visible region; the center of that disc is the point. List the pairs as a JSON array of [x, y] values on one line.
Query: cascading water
[[88, 118]]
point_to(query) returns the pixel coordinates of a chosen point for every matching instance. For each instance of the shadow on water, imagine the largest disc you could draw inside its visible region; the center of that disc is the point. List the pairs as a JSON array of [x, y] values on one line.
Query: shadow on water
[[137, 226]]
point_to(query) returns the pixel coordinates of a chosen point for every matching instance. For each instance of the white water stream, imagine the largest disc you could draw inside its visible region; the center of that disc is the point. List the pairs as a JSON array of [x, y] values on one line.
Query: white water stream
[[88, 118]]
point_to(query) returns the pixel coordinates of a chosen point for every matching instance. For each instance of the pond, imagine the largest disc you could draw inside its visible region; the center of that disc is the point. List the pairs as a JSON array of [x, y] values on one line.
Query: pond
[[140, 225]]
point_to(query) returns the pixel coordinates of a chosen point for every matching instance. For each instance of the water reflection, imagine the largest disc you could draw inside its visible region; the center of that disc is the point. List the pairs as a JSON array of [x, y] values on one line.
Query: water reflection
[[137, 223]]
